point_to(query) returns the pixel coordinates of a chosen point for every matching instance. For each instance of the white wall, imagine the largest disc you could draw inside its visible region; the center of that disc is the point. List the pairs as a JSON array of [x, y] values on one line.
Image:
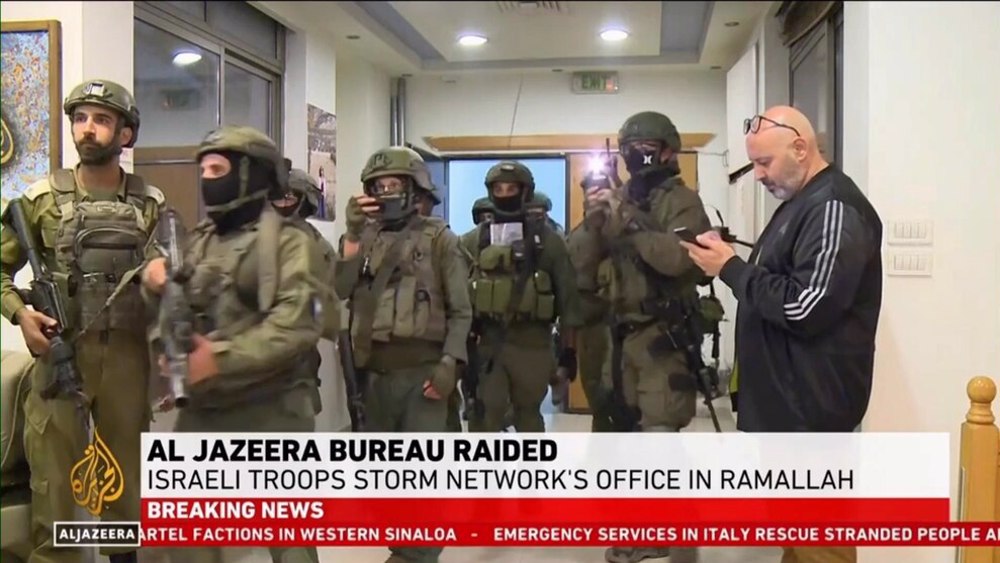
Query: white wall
[[363, 93], [947, 175], [100, 56]]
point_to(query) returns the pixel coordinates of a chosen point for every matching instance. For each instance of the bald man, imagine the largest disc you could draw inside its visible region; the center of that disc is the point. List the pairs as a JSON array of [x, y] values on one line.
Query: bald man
[[809, 295]]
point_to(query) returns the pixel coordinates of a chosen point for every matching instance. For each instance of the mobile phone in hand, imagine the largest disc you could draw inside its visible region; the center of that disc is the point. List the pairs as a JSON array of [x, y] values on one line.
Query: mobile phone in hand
[[687, 236]]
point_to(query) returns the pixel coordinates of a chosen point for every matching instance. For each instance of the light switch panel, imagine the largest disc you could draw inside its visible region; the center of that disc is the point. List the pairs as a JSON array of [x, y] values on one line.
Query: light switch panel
[[909, 264], [910, 233]]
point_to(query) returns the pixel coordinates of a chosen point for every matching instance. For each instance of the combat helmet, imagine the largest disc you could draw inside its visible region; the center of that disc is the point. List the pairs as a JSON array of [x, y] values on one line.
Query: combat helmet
[[397, 161], [304, 186], [255, 145], [510, 171], [648, 126], [108, 94], [482, 206]]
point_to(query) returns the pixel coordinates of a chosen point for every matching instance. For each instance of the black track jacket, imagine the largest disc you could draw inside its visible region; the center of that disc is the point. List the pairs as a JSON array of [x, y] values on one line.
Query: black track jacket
[[809, 302]]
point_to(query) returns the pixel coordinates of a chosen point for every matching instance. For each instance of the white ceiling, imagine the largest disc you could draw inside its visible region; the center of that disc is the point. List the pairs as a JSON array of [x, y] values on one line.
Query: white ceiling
[[421, 37]]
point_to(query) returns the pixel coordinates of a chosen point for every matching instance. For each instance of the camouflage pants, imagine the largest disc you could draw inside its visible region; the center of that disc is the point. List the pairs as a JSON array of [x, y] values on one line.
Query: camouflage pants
[[293, 411], [593, 346], [655, 380], [395, 403], [520, 379], [114, 367]]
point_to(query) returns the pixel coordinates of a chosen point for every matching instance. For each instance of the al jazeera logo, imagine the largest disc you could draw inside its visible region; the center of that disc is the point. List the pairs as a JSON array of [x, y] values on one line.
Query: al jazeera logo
[[97, 481]]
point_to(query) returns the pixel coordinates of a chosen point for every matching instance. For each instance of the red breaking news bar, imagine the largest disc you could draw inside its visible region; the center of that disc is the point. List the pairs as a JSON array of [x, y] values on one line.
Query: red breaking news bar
[[544, 511], [192, 533]]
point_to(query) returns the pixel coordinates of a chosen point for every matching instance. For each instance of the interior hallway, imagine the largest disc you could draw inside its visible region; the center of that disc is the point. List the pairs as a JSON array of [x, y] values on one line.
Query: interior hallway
[[554, 422]]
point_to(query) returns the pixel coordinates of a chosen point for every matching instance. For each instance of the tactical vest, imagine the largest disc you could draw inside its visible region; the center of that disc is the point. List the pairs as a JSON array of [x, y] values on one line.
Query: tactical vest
[[234, 279], [101, 245], [493, 281], [633, 287], [412, 304]]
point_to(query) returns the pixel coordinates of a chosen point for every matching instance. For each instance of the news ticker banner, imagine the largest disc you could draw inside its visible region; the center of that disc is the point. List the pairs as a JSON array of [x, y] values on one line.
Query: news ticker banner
[[547, 489]]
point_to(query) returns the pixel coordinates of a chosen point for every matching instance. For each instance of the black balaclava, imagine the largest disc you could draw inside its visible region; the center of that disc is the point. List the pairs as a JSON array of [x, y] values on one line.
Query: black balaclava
[[647, 172], [259, 178]]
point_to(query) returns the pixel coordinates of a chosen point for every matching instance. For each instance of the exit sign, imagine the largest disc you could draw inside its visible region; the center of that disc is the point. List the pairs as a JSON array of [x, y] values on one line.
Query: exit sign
[[595, 82]]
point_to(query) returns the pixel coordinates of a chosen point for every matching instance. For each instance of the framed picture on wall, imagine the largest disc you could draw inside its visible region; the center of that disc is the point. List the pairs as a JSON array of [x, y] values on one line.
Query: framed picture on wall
[[30, 103]]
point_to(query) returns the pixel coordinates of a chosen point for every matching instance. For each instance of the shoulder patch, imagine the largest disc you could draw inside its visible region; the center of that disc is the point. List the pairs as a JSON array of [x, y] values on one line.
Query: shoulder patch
[[36, 190]]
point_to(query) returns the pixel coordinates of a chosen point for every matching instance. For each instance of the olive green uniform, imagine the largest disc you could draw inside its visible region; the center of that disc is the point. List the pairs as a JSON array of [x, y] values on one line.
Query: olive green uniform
[[650, 283], [95, 246], [255, 294], [593, 338], [15, 475], [310, 198], [519, 364], [407, 288]]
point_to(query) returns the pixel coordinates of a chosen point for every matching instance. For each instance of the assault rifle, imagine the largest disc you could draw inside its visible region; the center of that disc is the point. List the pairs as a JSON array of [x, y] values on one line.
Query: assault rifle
[[44, 296], [176, 318]]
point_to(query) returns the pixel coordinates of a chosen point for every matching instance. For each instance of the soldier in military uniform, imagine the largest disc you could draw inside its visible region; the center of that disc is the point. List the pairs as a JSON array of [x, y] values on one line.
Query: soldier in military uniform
[[92, 225], [407, 284], [651, 285], [520, 285], [250, 370], [299, 201], [482, 211], [426, 202], [587, 249]]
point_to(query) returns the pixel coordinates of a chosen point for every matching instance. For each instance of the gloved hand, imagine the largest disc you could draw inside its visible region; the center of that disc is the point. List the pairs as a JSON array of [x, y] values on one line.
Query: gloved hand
[[442, 381], [359, 208]]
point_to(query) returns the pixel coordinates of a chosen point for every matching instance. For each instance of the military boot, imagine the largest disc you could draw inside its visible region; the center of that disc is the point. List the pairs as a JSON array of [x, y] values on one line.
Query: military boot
[[637, 554], [130, 557]]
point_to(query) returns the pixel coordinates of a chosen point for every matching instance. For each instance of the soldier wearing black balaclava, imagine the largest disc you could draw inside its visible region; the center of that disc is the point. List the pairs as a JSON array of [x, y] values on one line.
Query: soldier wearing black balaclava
[[650, 283], [522, 282]]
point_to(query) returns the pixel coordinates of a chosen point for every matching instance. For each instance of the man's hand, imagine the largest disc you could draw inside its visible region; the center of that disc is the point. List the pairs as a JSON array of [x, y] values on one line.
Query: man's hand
[[713, 257], [442, 382], [359, 209], [201, 361], [165, 404], [154, 275], [35, 327]]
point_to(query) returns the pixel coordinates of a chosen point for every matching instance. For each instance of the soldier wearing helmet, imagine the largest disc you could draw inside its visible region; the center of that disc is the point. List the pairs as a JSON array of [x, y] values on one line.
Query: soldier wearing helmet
[[522, 283], [91, 224], [300, 200], [407, 284], [482, 211], [586, 250], [256, 302], [651, 285]]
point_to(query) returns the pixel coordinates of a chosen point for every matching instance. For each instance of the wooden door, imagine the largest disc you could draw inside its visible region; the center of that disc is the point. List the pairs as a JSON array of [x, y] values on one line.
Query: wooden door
[[579, 165], [175, 171]]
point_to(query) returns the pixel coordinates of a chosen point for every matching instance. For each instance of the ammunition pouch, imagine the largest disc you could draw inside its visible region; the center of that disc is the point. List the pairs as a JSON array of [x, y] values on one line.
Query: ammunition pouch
[[493, 290]]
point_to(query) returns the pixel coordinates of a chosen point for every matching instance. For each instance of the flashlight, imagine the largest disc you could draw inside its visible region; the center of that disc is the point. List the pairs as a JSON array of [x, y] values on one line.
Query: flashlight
[[597, 164]]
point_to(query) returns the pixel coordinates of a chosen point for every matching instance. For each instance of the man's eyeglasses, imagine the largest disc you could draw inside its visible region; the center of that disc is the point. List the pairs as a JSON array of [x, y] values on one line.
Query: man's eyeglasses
[[752, 125]]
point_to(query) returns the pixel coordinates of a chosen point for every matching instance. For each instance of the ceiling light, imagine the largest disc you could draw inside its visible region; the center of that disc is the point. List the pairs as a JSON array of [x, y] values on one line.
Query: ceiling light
[[185, 58], [614, 35], [471, 40], [732, 24], [354, 37]]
